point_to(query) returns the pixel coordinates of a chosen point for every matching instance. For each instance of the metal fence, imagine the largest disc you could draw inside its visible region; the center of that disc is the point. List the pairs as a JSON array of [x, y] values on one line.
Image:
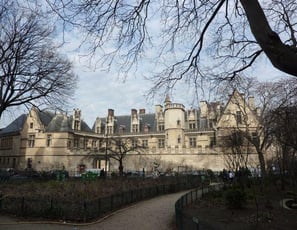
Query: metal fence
[[183, 221], [88, 210]]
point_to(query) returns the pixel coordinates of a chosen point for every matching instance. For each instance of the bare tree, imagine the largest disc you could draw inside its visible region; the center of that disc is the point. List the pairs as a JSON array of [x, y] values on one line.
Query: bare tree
[[118, 147], [266, 98], [236, 150], [212, 39], [284, 131], [31, 70]]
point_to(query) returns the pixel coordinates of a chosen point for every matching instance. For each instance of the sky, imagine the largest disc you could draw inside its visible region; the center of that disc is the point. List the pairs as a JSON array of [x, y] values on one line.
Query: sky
[[99, 90]]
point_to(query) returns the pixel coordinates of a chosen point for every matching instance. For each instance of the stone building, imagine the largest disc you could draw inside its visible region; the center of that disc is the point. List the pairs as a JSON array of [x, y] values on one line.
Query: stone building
[[174, 138]]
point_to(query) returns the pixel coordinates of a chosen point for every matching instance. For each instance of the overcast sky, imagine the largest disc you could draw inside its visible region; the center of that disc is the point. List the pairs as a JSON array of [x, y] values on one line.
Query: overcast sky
[[99, 90]]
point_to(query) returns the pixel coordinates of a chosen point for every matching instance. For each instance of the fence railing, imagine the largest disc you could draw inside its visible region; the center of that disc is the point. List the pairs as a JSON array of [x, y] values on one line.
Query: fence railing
[[184, 222], [88, 210]]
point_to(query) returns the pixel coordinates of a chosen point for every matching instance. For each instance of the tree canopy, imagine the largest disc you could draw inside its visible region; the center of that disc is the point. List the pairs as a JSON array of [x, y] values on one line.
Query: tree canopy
[[196, 40], [32, 72]]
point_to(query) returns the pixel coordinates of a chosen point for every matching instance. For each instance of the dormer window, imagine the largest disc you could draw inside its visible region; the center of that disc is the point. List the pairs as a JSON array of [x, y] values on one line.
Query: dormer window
[[161, 127], [31, 125], [146, 128], [109, 129], [122, 128], [76, 125], [192, 126], [135, 128]]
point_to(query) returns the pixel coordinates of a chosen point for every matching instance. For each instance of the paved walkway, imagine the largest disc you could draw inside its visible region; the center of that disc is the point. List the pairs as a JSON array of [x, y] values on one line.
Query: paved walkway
[[157, 213]]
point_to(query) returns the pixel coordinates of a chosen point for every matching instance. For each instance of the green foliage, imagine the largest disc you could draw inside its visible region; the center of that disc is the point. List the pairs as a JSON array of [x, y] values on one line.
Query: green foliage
[[235, 198]]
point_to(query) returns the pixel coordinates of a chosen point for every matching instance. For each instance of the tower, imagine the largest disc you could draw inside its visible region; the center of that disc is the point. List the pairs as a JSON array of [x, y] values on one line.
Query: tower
[[174, 116]]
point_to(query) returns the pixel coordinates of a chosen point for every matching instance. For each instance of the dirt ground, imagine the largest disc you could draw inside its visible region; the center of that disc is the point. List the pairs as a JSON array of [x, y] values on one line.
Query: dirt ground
[[212, 212]]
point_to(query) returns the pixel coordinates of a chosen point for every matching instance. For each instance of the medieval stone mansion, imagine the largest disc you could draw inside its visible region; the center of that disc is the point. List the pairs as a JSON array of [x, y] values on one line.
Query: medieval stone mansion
[[173, 137]]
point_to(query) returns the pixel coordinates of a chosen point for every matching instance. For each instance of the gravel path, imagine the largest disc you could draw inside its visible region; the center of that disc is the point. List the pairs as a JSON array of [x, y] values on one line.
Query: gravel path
[[157, 213]]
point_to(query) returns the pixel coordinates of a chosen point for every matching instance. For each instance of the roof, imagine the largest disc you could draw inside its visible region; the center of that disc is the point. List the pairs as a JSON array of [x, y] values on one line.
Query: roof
[[15, 126], [59, 123], [124, 121], [52, 123], [63, 123], [145, 119]]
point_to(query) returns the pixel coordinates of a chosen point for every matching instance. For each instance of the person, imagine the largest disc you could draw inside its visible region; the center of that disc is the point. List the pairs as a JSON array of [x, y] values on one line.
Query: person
[[231, 176], [102, 173]]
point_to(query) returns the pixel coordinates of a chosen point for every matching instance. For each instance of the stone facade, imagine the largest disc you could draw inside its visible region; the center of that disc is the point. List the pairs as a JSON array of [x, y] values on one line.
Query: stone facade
[[174, 138]]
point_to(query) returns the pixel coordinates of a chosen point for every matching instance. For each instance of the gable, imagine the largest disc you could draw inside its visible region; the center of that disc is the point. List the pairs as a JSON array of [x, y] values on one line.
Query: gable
[[237, 113]]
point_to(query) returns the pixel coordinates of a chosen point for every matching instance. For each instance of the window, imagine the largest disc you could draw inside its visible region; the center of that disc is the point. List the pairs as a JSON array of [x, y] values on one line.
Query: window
[[31, 141], [192, 142], [144, 143], [122, 128], [146, 128], [210, 124], [49, 140], [76, 143], [212, 141], [161, 127], [178, 140], [161, 143], [76, 125], [69, 143], [109, 129], [31, 125], [134, 143], [135, 128], [6, 143], [192, 125], [237, 139], [94, 144], [29, 163], [178, 122], [86, 141], [255, 137], [238, 117]]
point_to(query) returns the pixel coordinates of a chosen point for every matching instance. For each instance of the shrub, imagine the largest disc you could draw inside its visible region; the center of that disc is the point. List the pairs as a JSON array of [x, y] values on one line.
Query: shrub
[[235, 198]]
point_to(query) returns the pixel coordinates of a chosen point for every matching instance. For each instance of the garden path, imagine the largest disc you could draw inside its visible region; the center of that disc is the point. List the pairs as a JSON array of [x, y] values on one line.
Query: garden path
[[156, 213]]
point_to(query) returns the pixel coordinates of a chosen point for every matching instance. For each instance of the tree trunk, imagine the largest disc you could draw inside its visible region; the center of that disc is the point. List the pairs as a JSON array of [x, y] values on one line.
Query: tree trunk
[[121, 168], [262, 163], [282, 56]]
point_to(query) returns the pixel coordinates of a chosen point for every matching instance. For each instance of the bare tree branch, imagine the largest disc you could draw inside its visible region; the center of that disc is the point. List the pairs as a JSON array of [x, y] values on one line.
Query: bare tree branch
[[31, 70]]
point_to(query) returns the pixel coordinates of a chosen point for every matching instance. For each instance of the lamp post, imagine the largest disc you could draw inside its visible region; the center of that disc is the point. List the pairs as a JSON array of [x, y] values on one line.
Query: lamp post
[[106, 145]]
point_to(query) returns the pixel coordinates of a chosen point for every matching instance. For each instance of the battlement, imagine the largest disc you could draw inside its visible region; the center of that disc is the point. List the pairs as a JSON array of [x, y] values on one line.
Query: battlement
[[175, 106]]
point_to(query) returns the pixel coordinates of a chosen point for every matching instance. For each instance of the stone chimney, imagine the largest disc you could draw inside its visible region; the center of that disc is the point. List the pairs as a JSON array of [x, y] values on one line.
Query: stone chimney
[[142, 111], [203, 108], [134, 112], [110, 112]]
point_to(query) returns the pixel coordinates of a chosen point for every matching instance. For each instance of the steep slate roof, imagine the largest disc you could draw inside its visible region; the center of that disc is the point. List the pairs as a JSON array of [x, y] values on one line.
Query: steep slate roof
[[59, 123], [62, 123], [15, 126], [150, 120], [125, 121], [45, 117], [52, 123]]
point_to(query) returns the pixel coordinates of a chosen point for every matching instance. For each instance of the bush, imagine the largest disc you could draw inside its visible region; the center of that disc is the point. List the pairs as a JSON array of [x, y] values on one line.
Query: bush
[[235, 198]]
